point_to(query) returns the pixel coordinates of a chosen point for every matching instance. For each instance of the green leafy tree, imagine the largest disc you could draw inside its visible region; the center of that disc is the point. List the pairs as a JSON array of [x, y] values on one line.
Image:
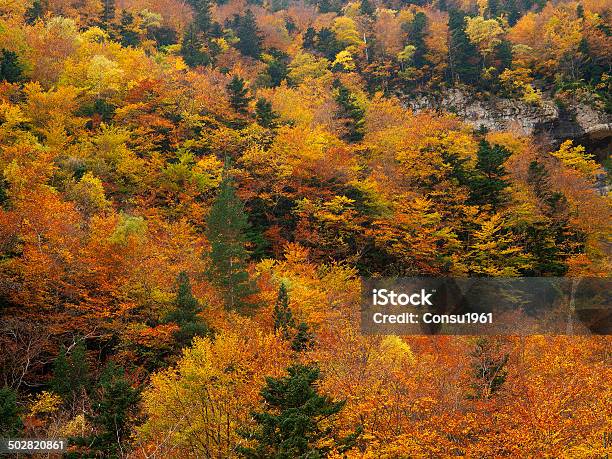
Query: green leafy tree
[[226, 227], [10, 422], [296, 419], [238, 94], [266, 117]]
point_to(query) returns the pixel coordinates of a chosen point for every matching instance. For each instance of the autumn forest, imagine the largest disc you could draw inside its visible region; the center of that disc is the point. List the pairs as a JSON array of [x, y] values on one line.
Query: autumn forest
[[192, 190]]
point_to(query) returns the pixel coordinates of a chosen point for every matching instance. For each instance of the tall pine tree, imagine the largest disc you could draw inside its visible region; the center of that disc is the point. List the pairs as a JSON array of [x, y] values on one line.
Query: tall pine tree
[[108, 13], [226, 227], [463, 57]]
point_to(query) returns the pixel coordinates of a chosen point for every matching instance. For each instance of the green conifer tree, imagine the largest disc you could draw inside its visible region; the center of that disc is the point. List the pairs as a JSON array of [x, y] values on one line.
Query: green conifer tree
[[10, 422], [35, 12], [463, 57], [192, 48], [10, 68], [203, 16], [128, 35], [308, 42], [108, 13], [303, 339], [283, 317], [352, 112], [185, 314], [367, 8], [488, 183], [71, 373], [266, 117], [245, 28], [226, 226], [114, 402], [296, 422], [238, 91]]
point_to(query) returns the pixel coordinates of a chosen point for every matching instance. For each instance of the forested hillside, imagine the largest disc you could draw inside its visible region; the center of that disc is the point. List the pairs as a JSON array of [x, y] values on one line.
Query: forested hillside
[[190, 192]]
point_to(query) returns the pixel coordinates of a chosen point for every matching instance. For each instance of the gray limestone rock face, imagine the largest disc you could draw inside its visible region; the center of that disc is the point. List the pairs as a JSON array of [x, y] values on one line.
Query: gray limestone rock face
[[578, 121]]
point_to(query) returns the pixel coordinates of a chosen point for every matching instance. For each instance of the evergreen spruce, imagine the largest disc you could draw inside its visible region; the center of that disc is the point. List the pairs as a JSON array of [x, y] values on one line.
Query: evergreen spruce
[[128, 36], [303, 339], [10, 69], [226, 227], [113, 405], [245, 28], [283, 317], [489, 182], [192, 48], [416, 31], [203, 17], [327, 43], [238, 91], [551, 239], [463, 57], [367, 8], [308, 42], [277, 67], [266, 117], [35, 12], [108, 13], [351, 111], [185, 314], [10, 422], [71, 373], [296, 421]]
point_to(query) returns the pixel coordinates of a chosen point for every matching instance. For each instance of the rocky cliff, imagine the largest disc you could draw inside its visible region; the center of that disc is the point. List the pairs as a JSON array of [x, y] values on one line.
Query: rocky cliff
[[577, 121]]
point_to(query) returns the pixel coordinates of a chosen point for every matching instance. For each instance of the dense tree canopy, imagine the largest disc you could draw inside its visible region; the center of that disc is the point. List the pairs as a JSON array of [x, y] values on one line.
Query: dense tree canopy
[[190, 192]]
